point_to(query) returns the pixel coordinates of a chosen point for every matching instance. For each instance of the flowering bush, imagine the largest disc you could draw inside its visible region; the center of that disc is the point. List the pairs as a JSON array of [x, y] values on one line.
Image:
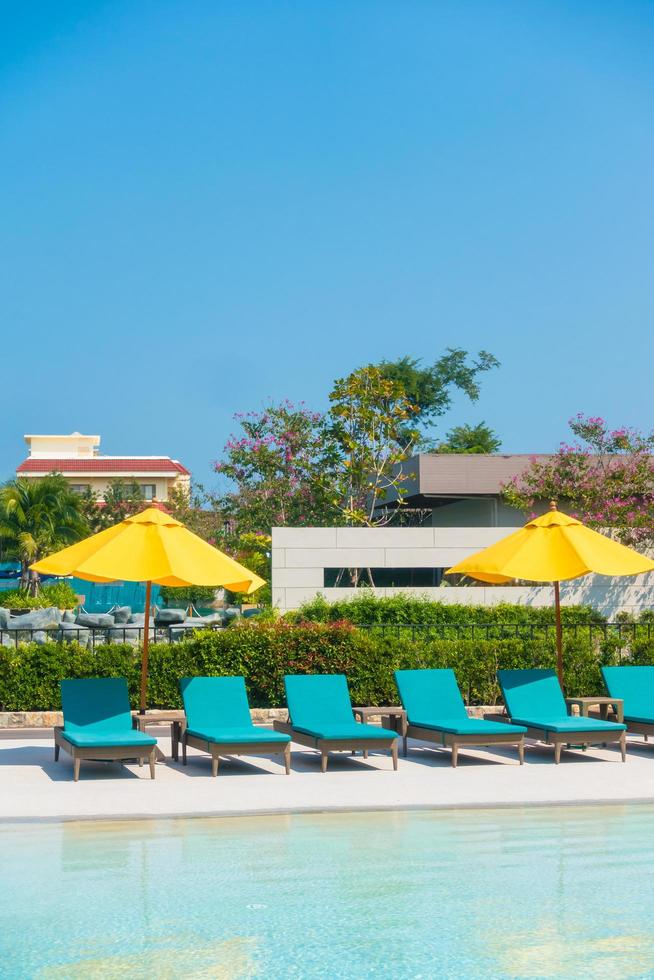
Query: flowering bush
[[280, 466], [605, 478]]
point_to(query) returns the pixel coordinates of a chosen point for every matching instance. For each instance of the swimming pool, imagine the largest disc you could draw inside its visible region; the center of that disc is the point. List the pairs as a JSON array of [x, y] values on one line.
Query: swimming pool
[[557, 892]]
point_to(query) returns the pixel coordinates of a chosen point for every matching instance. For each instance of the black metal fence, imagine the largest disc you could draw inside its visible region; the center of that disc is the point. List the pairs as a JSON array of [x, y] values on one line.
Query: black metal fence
[[625, 632], [91, 637]]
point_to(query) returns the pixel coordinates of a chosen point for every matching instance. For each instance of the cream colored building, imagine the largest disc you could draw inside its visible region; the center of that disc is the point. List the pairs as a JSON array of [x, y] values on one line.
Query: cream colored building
[[77, 457]]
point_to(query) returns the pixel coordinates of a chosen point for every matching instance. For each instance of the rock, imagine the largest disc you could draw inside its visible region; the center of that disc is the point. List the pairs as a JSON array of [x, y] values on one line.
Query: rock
[[73, 632], [37, 619], [231, 613], [180, 630], [212, 619], [166, 617], [122, 614], [128, 633], [4, 618], [69, 616], [249, 613], [95, 620], [137, 618], [40, 637]]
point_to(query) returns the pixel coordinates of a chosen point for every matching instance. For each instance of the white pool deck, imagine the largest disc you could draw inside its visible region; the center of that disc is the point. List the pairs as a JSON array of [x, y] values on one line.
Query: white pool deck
[[35, 787]]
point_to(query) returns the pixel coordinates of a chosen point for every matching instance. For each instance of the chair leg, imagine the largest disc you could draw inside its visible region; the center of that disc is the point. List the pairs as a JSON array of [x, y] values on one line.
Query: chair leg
[[184, 759], [215, 759], [365, 753], [405, 746], [394, 755], [287, 758], [557, 752], [521, 752], [152, 759], [56, 748], [623, 746], [76, 762], [141, 761], [455, 755], [323, 761]]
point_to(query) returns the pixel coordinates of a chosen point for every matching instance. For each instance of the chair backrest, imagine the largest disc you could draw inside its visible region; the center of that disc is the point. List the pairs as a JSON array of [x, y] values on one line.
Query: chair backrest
[[430, 694], [532, 693], [97, 703], [635, 685], [318, 699], [210, 702]]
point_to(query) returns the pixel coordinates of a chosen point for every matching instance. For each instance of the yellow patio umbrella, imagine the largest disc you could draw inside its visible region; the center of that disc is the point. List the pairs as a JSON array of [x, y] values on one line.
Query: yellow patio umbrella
[[151, 547], [552, 548]]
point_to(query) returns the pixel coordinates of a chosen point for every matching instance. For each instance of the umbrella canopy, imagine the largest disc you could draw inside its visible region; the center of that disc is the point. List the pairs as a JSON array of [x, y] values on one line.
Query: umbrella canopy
[[552, 548], [151, 547]]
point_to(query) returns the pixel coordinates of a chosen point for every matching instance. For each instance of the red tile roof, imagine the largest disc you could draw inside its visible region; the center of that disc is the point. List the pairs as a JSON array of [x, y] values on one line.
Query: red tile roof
[[103, 464]]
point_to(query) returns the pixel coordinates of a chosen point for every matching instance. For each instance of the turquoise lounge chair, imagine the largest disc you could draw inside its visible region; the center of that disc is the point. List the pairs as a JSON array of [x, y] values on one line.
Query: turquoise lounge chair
[[534, 698], [320, 715], [218, 721], [435, 712], [98, 724], [635, 686]]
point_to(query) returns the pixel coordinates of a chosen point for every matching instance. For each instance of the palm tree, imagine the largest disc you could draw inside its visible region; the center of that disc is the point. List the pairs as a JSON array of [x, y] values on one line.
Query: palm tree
[[38, 517]]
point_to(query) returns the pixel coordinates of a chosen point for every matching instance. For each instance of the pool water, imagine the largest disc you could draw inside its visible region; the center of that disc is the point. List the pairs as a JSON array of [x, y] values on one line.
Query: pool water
[[557, 892]]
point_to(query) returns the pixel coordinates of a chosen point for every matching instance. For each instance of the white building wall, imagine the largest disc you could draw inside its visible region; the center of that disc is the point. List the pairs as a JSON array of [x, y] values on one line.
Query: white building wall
[[300, 556]]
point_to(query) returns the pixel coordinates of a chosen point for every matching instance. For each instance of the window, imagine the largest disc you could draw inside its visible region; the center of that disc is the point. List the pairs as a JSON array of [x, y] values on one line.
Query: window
[[408, 578], [80, 487], [149, 490], [397, 578]]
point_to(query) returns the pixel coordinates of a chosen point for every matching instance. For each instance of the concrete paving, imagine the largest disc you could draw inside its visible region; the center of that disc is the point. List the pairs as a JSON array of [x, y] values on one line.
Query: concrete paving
[[33, 786]]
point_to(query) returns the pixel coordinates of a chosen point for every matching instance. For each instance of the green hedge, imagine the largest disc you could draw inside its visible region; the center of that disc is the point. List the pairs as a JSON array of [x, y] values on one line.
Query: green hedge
[[59, 594], [367, 609], [199, 595], [264, 652]]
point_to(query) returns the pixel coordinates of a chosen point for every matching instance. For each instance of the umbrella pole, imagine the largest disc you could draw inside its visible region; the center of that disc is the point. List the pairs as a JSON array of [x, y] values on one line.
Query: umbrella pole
[[559, 633], [146, 644]]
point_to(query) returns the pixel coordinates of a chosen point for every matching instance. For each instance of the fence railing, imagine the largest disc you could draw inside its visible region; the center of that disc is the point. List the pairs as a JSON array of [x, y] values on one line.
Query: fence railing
[[173, 633], [502, 631], [91, 637]]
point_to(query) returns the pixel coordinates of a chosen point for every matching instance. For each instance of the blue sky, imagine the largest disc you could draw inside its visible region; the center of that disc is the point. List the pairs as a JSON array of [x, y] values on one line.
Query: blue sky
[[209, 204]]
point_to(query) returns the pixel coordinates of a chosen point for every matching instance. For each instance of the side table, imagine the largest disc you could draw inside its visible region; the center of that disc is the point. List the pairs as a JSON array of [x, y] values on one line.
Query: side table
[[177, 721]]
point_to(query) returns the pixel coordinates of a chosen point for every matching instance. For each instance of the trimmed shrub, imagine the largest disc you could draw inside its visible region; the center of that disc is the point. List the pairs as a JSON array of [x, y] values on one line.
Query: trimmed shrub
[[264, 651], [199, 595], [367, 609], [59, 594]]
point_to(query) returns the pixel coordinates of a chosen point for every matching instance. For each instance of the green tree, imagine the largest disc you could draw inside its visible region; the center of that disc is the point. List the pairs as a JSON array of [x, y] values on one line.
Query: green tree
[[371, 423], [470, 439], [201, 512], [38, 517], [431, 389], [122, 498], [254, 551]]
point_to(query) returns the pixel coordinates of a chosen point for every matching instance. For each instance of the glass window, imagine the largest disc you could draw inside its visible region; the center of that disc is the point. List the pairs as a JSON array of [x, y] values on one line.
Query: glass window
[[416, 578], [398, 578], [79, 487], [149, 490]]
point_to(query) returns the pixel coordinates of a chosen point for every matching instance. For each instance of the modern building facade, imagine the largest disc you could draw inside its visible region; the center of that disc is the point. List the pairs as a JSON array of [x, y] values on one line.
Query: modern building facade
[[458, 508], [77, 457], [307, 561], [458, 490]]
